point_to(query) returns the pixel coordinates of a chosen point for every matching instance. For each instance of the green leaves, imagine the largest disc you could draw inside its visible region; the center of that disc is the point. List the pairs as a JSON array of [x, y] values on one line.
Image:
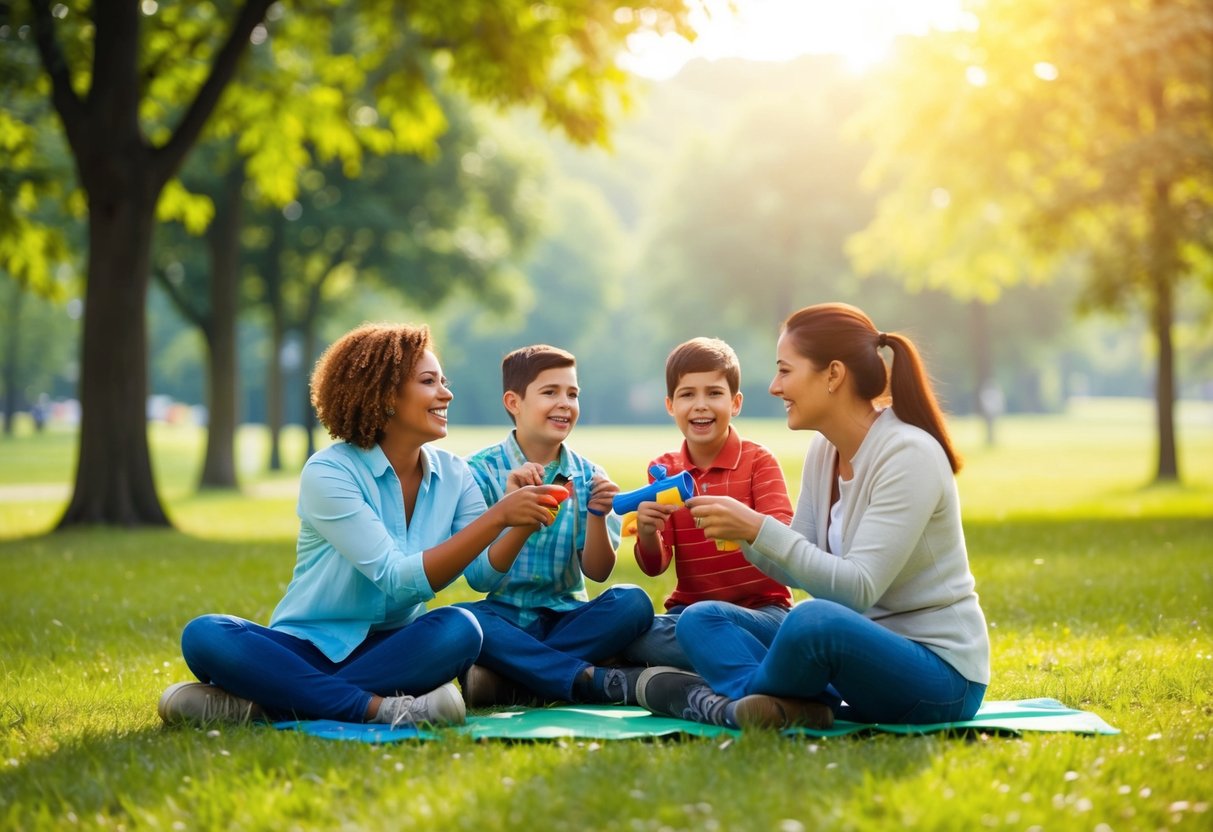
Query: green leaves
[[1040, 130], [194, 211]]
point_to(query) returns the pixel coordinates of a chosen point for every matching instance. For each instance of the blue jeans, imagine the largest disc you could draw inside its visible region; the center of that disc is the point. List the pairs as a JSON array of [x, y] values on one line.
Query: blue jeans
[[289, 677], [660, 645], [831, 653], [547, 655]]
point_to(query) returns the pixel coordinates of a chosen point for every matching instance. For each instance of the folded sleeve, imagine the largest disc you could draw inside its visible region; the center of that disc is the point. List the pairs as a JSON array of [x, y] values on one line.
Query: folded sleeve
[[480, 574]]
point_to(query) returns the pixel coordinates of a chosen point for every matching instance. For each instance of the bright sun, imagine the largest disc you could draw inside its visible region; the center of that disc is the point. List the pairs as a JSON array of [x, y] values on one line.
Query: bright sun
[[775, 30]]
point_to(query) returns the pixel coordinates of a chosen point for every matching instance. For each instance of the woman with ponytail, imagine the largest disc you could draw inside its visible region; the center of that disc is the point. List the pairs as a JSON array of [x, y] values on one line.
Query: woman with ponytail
[[894, 632]]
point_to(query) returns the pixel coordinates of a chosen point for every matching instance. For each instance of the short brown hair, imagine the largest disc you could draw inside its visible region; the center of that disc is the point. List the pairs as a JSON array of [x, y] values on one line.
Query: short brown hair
[[702, 355], [523, 365], [359, 376]]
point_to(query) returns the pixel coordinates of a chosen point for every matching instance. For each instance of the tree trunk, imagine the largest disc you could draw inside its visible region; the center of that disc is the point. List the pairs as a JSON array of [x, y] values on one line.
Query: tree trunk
[[1164, 269], [309, 359], [307, 326], [274, 398], [1164, 391], [986, 396], [12, 356], [123, 177], [114, 481], [223, 238], [273, 384]]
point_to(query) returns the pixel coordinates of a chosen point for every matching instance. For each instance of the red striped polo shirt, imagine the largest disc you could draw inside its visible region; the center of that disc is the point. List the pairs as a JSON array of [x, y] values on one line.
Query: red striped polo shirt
[[749, 473]]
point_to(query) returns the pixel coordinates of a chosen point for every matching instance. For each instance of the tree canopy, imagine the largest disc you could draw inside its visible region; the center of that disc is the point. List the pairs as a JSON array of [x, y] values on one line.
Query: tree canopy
[[134, 85], [1046, 135]]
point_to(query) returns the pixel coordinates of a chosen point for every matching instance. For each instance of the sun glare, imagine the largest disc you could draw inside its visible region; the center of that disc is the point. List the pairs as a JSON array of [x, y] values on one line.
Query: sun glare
[[777, 30]]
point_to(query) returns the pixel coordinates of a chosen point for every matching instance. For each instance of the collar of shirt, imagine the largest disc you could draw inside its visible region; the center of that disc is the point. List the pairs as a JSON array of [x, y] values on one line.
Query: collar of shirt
[[728, 458], [377, 463]]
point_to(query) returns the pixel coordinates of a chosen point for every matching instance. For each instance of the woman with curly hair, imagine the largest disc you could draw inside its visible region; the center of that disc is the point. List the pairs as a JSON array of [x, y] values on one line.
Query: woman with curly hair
[[385, 522]]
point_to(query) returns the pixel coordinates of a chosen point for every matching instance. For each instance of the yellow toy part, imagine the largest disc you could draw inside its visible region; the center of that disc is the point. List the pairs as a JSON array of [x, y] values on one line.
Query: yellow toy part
[[669, 497], [629, 525]]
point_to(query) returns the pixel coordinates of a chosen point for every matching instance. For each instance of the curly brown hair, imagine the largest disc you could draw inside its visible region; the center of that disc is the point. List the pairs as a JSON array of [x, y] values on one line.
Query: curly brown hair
[[359, 376]]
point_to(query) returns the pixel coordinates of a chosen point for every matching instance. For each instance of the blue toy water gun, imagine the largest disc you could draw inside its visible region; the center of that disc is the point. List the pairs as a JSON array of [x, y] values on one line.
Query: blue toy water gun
[[673, 490]]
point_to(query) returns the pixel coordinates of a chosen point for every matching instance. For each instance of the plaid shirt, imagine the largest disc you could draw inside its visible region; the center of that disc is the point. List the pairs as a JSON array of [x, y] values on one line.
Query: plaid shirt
[[750, 474], [547, 573]]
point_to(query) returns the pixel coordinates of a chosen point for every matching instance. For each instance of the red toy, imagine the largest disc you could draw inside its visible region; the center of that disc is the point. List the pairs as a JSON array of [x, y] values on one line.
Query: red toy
[[553, 499]]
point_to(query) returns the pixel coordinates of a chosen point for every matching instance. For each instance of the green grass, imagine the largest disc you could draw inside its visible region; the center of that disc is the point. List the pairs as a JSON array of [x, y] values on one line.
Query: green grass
[[1099, 592]]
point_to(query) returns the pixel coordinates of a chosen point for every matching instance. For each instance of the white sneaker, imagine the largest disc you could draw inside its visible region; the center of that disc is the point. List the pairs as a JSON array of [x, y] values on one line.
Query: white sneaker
[[196, 702], [441, 706]]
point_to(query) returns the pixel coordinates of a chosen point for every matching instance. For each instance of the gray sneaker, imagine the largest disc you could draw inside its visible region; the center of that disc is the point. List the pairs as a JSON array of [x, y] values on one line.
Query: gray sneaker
[[670, 691], [198, 703], [441, 706], [621, 685]]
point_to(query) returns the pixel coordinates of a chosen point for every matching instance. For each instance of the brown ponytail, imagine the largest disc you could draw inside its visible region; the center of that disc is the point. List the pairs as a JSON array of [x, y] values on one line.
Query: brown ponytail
[[829, 332]]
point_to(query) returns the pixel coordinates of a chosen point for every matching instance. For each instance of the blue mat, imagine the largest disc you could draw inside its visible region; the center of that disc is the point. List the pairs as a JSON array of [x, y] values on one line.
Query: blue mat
[[620, 723]]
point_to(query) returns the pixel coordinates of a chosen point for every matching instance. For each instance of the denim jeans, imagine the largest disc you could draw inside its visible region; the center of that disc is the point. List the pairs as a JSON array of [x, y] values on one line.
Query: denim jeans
[[289, 677], [661, 644], [546, 655], [831, 653]]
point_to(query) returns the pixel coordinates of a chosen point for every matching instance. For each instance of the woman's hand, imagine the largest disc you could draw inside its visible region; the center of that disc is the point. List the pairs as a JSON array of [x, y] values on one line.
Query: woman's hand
[[723, 518], [526, 506]]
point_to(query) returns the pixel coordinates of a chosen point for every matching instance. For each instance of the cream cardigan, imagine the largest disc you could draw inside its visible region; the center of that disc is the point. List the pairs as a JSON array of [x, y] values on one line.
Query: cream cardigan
[[904, 563]]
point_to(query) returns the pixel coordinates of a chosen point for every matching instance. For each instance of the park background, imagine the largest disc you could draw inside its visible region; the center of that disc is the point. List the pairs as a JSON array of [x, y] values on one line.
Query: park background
[[1024, 188]]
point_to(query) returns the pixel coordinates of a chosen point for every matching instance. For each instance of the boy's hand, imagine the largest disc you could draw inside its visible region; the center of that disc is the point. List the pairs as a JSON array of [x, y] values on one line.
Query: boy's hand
[[529, 474], [528, 505], [652, 516], [602, 493]]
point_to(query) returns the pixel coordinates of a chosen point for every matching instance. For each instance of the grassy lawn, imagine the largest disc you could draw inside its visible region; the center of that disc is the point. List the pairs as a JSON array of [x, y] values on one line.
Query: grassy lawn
[[1099, 592]]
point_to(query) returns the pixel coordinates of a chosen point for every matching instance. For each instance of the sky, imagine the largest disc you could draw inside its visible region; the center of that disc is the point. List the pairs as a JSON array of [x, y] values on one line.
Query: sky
[[861, 31]]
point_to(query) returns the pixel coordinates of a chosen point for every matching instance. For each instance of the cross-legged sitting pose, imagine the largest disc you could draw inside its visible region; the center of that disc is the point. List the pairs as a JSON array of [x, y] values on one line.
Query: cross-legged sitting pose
[[703, 394], [543, 637], [385, 522], [894, 628]]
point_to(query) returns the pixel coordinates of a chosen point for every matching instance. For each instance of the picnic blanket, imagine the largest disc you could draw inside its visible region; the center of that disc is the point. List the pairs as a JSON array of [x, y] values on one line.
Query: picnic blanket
[[619, 722]]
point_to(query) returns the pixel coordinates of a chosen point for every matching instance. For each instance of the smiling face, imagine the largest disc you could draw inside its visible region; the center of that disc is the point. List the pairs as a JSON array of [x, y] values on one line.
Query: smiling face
[[803, 388], [545, 414], [702, 407], [421, 405]]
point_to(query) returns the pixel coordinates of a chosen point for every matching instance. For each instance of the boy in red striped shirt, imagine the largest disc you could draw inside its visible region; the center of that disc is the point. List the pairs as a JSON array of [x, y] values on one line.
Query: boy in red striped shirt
[[703, 379]]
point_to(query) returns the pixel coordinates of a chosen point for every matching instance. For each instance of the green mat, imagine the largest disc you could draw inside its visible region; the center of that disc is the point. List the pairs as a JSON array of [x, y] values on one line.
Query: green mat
[[624, 723]]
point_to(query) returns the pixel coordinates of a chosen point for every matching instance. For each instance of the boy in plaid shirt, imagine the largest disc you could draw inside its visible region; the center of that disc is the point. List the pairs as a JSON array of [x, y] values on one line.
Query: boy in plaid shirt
[[542, 635]]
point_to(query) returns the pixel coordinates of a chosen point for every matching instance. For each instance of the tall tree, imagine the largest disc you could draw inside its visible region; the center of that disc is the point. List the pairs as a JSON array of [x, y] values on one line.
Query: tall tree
[[1043, 134], [123, 173], [423, 229], [210, 297], [134, 84]]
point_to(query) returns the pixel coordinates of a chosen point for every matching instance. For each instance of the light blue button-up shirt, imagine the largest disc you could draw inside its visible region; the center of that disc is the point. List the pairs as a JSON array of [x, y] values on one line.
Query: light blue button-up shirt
[[358, 566], [547, 573]]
